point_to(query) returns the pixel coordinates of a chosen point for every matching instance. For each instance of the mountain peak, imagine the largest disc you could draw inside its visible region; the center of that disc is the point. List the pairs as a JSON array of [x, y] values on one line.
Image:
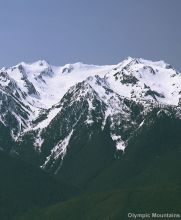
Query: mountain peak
[[135, 60], [36, 63]]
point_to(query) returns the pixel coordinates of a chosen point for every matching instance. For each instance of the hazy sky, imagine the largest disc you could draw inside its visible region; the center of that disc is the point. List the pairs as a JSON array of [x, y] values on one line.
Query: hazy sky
[[91, 31]]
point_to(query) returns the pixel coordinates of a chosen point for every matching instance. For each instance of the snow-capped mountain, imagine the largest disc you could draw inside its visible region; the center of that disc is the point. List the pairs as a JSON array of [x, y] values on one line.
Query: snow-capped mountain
[[38, 86], [138, 78], [52, 111]]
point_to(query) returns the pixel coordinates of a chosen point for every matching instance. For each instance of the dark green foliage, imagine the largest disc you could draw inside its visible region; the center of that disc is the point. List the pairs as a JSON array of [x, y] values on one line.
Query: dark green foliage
[[23, 187], [6, 141], [87, 157], [153, 156], [113, 205], [146, 178]]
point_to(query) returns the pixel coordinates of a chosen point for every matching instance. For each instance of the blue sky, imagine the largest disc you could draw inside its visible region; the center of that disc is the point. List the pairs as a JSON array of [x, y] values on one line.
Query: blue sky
[[94, 31]]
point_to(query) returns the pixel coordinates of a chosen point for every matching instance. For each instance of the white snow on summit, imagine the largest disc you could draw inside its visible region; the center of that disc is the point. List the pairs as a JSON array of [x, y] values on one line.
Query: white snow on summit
[[51, 82], [143, 75], [41, 86]]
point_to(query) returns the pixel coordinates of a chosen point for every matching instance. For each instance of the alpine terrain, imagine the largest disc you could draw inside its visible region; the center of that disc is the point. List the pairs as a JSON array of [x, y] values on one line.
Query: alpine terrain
[[103, 140]]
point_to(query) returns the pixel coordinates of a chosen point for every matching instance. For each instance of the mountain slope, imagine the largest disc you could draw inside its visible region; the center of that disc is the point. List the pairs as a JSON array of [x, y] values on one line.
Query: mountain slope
[[152, 158], [146, 179], [24, 187], [114, 205]]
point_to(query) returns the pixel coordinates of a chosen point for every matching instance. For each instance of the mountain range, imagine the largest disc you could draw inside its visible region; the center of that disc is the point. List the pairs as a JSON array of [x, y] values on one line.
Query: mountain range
[[104, 133]]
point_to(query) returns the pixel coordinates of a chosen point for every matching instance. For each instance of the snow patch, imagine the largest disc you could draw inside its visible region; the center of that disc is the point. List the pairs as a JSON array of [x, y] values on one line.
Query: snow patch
[[59, 150], [51, 115], [120, 144]]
